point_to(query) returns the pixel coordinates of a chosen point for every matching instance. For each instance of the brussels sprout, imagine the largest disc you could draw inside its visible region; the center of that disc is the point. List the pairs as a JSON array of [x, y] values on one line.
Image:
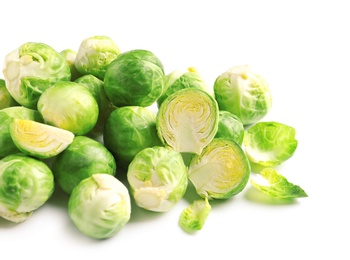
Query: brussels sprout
[[270, 143], [277, 185], [70, 106], [105, 106], [129, 130], [70, 55], [158, 178], [188, 120], [195, 215], [6, 100], [38, 139], [134, 78], [81, 159], [99, 206], [221, 171], [31, 69], [95, 54], [243, 93], [26, 184], [179, 79], [230, 126], [6, 117]]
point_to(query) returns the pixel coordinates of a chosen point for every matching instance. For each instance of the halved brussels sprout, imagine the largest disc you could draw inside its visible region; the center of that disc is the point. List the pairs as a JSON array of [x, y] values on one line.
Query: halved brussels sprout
[[26, 184], [243, 93], [129, 130], [70, 56], [99, 206], [270, 143], [277, 185], [95, 54], [230, 126], [221, 171], [31, 69], [6, 100], [158, 178], [70, 106], [188, 120], [38, 139], [179, 79], [81, 159], [194, 216], [6, 117], [134, 78]]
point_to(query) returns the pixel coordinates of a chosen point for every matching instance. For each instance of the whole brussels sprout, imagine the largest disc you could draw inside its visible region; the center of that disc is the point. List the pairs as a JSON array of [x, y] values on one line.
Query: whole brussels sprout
[[134, 78], [31, 69], [6, 100], [230, 126], [70, 106], [70, 56], [95, 54], [243, 93], [81, 159], [99, 206], [26, 184], [129, 130], [158, 178]]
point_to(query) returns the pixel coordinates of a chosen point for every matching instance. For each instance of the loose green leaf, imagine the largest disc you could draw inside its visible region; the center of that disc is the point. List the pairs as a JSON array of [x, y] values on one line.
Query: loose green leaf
[[194, 216]]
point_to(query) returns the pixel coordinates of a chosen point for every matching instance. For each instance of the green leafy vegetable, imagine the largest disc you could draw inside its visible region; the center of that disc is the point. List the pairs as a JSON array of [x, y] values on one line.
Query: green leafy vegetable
[[194, 216]]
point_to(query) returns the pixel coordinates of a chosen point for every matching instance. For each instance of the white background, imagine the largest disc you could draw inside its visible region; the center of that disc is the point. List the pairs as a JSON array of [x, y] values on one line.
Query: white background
[[300, 47]]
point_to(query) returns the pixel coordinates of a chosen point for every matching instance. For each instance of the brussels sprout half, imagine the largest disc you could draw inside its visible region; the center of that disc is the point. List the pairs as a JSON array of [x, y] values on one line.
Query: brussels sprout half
[[31, 69], [99, 206], [243, 93], [26, 184]]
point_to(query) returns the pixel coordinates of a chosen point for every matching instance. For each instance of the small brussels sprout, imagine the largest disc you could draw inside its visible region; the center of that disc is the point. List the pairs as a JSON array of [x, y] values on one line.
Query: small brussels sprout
[[31, 69], [26, 184], [270, 143], [99, 206], [230, 126], [38, 139], [129, 130], [277, 185], [70, 106], [134, 78], [158, 178], [243, 93], [194, 216], [188, 120], [81, 159], [105, 106], [179, 79], [221, 171], [95, 54], [6, 117], [6, 100], [70, 56]]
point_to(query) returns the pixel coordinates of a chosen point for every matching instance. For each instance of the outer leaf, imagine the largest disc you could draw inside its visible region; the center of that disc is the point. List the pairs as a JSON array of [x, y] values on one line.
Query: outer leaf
[[195, 215]]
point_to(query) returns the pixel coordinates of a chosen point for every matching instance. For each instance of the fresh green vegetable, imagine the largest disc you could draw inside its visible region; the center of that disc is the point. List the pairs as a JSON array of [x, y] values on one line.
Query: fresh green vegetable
[[270, 143], [70, 106], [194, 216], [158, 178], [26, 184], [129, 130], [277, 185], [134, 78], [188, 120], [38, 139], [81, 159], [70, 55], [6, 100], [179, 79], [221, 171], [99, 206], [31, 69], [230, 126], [6, 117], [243, 93], [95, 54]]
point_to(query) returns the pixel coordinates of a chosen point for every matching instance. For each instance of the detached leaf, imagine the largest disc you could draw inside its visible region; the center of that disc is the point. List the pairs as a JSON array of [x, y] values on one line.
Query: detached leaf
[[278, 186], [194, 216]]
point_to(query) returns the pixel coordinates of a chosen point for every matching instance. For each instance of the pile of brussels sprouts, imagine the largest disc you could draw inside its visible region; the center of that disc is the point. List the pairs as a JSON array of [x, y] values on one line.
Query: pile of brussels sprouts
[[82, 121]]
